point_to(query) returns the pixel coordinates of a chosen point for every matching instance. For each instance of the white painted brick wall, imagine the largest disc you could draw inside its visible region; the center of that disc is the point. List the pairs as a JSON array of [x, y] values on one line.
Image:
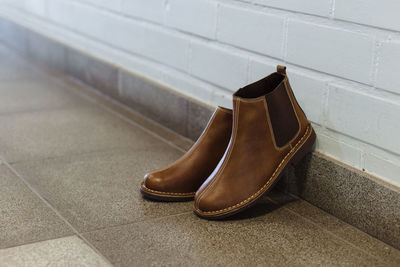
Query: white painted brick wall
[[114, 5], [37, 7], [389, 66], [152, 10], [193, 16], [363, 116], [332, 50], [382, 13], [165, 47], [217, 65], [315, 7], [252, 30], [343, 57]]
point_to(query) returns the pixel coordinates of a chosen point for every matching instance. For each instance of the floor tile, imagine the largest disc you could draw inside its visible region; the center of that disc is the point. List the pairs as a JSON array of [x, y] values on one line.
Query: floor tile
[[23, 216], [36, 94], [44, 134], [67, 251], [97, 190], [268, 235], [341, 229]]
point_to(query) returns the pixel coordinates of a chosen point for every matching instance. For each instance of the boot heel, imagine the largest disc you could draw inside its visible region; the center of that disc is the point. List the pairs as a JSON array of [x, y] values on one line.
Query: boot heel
[[304, 150]]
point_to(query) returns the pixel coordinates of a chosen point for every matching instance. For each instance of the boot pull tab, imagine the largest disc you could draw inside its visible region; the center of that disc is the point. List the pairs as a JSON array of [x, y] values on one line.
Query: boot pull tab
[[281, 69]]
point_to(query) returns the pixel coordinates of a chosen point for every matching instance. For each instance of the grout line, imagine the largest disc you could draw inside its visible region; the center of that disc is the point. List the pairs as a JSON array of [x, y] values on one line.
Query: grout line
[[139, 221], [285, 39], [217, 20], [38, 241], [332, 10], [362, 159], [376, 62], [325, 105], [248, 74], [373, 71], [14, 171]]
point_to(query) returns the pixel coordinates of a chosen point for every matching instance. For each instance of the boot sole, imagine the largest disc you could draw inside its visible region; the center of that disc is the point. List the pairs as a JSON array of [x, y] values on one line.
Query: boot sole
[[165, 196], [297, 156]]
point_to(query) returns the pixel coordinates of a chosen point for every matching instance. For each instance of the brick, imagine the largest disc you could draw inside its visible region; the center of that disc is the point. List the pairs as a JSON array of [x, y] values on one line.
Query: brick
[[36, 7], [383, 168], [123, 33], [363, 116], [165, 47], [314, 7], [152, 10], [218, 66], [383, 14], [388, 67], [309, 91], [252, 30], [194, 16], [222, 98], [60, 11], [334, 51], [337, 149], [259, 69], [188, 85]]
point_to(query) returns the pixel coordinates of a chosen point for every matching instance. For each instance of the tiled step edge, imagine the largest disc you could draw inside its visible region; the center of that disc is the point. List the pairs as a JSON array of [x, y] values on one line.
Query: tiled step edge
[[349, 194]]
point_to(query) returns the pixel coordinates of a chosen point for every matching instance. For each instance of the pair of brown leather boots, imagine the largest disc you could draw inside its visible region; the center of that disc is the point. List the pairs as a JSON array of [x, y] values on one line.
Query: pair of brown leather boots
[[241, 153]]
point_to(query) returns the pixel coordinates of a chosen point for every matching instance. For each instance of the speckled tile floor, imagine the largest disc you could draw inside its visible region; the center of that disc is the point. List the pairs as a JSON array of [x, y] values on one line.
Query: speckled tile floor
[[70, 165]]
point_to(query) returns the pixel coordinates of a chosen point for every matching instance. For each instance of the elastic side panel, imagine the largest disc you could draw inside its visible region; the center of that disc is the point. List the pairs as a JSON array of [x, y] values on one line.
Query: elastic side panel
[[283, 118]]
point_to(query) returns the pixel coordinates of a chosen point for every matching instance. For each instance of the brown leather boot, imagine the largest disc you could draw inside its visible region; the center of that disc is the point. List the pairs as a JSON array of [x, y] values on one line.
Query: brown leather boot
[[179, 181], [270, 131]]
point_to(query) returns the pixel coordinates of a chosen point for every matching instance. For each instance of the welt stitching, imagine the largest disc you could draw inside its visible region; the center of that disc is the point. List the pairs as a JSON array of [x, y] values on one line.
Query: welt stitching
[[167, 193], [269, 180]]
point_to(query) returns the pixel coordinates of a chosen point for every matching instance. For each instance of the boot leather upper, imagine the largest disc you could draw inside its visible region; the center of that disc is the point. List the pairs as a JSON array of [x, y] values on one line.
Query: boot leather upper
[[188, 173], [268, 123]]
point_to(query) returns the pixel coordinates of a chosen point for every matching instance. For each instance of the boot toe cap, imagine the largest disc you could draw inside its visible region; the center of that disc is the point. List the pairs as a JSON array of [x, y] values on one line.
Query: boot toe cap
[[154, 182], [208, 204]]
